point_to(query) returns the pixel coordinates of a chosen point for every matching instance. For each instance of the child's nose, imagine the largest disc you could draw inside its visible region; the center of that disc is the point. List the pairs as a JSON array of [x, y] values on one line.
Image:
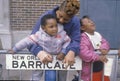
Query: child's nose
[[55, 28]]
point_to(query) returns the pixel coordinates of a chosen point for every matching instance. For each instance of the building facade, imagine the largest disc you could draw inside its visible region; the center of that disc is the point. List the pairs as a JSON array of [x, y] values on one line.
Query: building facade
[[19, 16]]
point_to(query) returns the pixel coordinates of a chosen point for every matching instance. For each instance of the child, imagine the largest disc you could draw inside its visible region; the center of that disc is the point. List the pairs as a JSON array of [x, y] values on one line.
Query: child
[[52, 38], [65, 15], [92, 41]]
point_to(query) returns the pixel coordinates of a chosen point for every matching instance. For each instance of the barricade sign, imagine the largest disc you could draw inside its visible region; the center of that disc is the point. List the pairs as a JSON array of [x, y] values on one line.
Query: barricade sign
[[30, 62]]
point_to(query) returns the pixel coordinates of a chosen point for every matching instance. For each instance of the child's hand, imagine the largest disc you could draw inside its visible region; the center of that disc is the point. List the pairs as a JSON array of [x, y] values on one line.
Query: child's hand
[[103, 58], [103, 51], [10, 51], [69, 59], [60, 56], [44, 57]]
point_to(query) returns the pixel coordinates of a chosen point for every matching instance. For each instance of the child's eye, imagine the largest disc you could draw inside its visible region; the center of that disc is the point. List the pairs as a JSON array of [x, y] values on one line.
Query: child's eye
[[51, 26]]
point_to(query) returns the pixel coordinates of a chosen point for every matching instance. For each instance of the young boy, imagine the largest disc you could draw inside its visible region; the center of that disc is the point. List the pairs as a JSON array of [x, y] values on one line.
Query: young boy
[[92, 41], [50, 36], [65, 15]]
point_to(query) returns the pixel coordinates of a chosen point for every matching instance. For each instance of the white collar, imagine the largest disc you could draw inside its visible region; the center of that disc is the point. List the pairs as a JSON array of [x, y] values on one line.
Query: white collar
[[95, 39]]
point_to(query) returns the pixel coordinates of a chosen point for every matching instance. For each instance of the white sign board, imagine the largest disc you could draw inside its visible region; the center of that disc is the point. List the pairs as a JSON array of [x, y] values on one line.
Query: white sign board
[[30, 62], [108, 67]]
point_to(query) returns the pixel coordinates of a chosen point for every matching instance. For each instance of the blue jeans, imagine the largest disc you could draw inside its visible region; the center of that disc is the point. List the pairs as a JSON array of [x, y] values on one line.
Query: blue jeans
[[50, 75], [53, 75]]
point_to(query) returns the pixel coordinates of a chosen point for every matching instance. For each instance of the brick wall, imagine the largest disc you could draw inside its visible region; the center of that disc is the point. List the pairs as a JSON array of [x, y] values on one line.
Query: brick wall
[[24, 13]]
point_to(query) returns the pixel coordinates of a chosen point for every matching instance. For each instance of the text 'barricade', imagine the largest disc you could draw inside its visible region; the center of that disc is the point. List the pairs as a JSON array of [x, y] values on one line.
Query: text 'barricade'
[[30, 62]]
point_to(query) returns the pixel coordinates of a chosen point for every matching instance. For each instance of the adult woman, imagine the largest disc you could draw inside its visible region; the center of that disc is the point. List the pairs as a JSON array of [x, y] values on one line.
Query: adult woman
[[65, 15]]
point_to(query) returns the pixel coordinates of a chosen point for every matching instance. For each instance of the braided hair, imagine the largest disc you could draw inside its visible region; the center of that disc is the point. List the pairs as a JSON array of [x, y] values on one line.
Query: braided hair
[[70, 7]]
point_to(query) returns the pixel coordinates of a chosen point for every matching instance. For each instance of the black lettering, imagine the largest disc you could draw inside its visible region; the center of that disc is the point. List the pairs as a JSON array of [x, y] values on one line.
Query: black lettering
[[71, 67], [49, 66], [32, 58], [63, 66], [14, 57], [15, 64], [18, 57], [57, 65], [38, 63], [30, 64], [22, 57], [23, 65], [44, 65], [28, 57]]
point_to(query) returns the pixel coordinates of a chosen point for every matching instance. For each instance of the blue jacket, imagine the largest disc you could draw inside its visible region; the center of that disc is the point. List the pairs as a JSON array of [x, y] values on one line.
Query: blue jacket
[[72, 28]]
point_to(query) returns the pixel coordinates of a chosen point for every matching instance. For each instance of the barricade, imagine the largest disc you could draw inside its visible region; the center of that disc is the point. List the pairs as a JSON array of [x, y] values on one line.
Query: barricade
[[17, 66], [10, 68], [111, 67]]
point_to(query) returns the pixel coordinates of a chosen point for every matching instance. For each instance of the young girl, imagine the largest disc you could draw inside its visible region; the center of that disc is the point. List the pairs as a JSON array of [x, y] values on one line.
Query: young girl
[[92, 41]]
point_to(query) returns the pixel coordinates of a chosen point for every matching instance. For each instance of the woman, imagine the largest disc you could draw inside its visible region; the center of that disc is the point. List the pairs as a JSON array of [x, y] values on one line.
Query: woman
[[65, 15]]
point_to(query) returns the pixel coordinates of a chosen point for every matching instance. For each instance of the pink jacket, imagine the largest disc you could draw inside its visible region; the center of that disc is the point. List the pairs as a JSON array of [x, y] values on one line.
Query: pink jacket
[[88, 55]]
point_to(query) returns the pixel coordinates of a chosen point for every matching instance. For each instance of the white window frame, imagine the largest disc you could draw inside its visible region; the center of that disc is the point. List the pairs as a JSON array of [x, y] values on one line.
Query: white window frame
[[5, 34]]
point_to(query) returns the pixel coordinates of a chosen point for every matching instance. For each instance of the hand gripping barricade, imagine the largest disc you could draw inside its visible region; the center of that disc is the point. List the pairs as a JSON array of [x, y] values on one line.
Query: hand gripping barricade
[[15, 63], [19, 66]]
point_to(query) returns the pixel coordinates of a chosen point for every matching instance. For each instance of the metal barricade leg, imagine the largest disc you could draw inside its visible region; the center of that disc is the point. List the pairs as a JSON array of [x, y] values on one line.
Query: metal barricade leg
[[37, 75], [79, 76], [20, 75], [103, 74], [8, 74], [1, 71], [91, 71], [56, 75], [62, 75], [116, 67]]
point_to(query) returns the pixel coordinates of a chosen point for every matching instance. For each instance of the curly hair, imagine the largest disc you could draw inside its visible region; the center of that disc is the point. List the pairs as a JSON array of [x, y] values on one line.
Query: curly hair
[[70, 7], [45, 18]]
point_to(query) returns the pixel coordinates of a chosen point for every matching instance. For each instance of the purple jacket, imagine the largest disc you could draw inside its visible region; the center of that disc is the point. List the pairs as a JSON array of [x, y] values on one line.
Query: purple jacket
[[88, 55], [72, 29], [50, 44]]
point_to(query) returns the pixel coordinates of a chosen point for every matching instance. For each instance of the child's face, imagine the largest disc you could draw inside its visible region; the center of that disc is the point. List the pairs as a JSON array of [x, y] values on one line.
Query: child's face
[[51, 27], [88, 25]]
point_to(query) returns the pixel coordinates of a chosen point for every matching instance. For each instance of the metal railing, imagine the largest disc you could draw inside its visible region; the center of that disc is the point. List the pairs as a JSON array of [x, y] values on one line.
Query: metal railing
[[7, 74]]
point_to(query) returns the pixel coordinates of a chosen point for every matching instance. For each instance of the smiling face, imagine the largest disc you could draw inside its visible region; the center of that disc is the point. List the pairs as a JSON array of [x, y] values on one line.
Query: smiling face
[[67, 10], [62, 17], [88, 25], [51, 27]]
